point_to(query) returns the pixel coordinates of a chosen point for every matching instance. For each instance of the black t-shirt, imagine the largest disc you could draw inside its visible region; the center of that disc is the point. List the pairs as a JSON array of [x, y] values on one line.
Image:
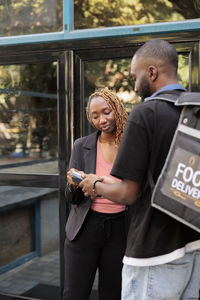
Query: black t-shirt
[[143, 149]]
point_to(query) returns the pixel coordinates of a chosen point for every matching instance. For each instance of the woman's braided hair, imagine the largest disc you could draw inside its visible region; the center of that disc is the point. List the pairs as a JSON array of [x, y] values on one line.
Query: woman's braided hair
[[117, 107]]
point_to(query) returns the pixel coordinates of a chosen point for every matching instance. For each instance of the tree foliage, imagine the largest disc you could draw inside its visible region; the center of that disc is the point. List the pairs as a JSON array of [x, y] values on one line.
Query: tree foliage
[[28, 116], [98, 13], [24, 17]]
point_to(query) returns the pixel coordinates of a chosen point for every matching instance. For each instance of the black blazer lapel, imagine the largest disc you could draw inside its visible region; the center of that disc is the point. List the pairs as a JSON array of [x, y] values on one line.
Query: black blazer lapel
[[90, 152]]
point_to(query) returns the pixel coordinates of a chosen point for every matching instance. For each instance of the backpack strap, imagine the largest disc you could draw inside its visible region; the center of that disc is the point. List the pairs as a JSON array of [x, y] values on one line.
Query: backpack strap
[[190, 115], [169, 96], [179, 98], [188, 98], [190, 101]]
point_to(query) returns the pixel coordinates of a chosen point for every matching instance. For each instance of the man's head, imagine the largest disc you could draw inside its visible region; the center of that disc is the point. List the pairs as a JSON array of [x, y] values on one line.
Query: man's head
[[153, 66]]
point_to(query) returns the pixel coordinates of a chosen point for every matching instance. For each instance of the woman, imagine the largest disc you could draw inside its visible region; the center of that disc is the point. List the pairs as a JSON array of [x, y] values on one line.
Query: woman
[[95, 229]]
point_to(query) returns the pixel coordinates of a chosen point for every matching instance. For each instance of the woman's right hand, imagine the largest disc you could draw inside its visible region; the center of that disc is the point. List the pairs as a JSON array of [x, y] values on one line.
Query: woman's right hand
[[69, 177]]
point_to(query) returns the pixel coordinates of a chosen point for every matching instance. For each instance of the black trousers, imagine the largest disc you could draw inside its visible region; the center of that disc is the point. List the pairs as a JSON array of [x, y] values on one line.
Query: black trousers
[[99, 245]]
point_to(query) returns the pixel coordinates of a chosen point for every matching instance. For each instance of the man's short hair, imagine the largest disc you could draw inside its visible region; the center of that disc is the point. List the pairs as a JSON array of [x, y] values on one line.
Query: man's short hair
[[159, 49]]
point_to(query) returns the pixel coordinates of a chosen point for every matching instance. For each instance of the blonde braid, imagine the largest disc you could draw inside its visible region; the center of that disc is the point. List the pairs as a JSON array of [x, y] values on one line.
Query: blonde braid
[[116, 105]]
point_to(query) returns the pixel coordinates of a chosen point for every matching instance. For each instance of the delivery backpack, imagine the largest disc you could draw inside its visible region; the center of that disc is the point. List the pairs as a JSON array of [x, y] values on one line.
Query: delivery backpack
[[177, 190]]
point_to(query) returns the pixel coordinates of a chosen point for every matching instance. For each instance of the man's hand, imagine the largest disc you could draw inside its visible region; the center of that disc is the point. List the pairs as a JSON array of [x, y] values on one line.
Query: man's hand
[[87, 184], [107, 179], [124, 192]]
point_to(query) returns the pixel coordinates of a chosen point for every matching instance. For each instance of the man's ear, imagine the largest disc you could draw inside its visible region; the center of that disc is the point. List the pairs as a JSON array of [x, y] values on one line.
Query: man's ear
[[152, 72]]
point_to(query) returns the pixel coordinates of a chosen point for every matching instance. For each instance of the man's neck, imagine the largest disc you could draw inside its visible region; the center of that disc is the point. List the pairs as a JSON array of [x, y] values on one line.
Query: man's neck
[[169, 87]]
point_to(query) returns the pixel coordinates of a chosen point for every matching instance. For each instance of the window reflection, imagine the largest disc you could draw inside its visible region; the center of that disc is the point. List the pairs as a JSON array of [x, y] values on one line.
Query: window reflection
[[28, 117], [183, 69], [19, 17], [115, 74], [93, 14]]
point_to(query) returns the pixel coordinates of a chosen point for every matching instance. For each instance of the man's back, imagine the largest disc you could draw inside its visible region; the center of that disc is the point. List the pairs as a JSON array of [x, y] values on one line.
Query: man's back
[[146, 141]]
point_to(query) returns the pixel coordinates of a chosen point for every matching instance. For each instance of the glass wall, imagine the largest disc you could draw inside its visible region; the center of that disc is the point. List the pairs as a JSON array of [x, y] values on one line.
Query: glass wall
[[28, 118], [95, 13], [20, 17], [29, 211]]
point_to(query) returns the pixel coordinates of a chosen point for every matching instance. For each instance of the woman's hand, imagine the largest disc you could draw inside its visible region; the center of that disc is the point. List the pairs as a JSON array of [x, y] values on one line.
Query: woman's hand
[[69, 177]]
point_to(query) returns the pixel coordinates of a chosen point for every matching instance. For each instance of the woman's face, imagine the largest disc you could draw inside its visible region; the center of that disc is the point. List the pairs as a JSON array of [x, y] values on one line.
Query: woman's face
[[102, 116]]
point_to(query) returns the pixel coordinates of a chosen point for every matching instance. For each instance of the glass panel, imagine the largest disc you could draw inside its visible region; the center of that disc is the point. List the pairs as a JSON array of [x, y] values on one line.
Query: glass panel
[[19, 17], [16, 226], [95, 13], [28, 118], [183, 69], [115, 74], [29, 252]]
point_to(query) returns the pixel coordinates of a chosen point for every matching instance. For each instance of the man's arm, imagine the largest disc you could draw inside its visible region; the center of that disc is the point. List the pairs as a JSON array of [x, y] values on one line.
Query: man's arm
[[124, 192]]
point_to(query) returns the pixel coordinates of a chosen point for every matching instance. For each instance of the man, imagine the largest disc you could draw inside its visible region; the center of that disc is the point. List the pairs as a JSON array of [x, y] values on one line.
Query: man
[[162, 258]]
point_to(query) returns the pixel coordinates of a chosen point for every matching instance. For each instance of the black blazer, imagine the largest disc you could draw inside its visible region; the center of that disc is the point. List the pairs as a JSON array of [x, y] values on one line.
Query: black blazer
[[83, 158]]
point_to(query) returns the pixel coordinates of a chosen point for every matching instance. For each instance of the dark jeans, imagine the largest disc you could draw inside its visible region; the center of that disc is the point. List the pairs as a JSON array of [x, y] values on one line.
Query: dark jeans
[[99, 245]]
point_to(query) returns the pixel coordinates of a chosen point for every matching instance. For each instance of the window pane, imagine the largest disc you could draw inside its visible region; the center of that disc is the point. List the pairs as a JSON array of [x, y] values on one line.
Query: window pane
[[115, 74], [183, 69], [29, 239], [28, 118], [19, 17], [16, 226], [98, 13]]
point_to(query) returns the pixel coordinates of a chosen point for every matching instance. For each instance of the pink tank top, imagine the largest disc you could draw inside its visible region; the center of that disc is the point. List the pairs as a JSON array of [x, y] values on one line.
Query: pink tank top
[[103, 167]]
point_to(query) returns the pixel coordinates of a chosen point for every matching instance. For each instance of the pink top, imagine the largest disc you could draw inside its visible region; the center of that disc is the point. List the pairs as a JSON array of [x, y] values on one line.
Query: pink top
[[103, 167]]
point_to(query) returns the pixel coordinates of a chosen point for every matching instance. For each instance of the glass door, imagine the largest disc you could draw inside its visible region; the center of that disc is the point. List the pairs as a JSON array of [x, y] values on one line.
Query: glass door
[[32, 174]]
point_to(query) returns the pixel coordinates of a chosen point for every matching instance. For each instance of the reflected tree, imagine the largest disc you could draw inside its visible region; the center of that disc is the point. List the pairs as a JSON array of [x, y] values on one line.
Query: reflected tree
[[115, 74], [38, 16], [28, 111], [24, 16], [188, 9], [95, 13]]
